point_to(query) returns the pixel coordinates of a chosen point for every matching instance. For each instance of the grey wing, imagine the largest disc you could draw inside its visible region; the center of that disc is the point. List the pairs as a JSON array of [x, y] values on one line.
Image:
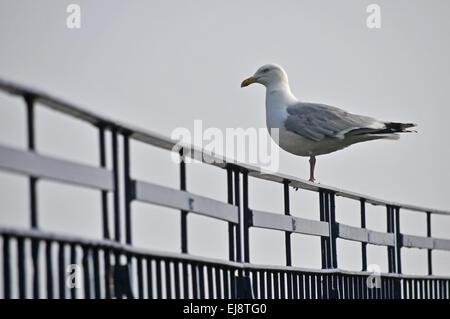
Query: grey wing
[[317, 121]]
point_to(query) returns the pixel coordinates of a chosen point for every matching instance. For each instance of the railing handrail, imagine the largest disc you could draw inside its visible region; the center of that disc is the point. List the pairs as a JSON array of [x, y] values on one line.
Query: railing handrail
[[164, 142]]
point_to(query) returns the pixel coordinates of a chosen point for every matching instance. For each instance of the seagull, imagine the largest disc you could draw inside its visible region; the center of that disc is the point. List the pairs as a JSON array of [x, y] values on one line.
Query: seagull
[[312, 129]]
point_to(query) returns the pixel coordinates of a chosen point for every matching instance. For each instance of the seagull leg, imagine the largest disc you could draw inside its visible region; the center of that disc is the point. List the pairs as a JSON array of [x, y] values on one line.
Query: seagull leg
[[312, 164]]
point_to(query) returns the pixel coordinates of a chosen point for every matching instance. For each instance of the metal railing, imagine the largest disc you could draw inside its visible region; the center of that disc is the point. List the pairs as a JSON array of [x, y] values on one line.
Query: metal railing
[[112, 267]]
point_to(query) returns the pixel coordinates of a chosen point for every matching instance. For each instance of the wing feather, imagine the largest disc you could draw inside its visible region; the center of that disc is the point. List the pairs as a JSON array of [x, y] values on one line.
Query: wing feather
[[317, 121]]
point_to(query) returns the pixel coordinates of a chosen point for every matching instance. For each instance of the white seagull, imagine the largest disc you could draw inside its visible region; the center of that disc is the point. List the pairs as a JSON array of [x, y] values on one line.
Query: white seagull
[[312, 129]]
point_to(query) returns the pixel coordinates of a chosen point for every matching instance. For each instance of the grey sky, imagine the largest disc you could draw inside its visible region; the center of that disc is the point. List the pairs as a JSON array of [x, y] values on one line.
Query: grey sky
[[162, 64]]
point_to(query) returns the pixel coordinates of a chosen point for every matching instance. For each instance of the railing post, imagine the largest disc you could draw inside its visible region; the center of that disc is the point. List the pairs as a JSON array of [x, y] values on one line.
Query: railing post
[[398, 241], [398, 245], [29, 100], [333, 230], [287, 213], [231, 226], [429, 251], [323, 240], [237, 203], [104, 193], [287, 237], [390, 229], [6, 268], [244, 288], [115, 160], [128, 187], [363, 225], [184, 240], [247, 217], [328, 244]]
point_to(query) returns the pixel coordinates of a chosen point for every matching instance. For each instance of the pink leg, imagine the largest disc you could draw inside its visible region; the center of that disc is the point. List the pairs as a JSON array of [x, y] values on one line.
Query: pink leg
[[312, 164]]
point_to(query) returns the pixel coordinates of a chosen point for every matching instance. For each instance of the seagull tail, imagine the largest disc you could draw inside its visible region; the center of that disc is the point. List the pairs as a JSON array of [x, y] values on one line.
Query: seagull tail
[[390, 130], [395, 127]]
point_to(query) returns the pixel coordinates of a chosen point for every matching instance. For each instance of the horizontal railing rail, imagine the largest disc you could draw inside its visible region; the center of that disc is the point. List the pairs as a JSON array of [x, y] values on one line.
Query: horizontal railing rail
[[191, 276]]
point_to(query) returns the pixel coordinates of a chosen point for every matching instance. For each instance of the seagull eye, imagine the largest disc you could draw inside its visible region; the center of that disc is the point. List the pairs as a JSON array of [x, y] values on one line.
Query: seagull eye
[[265, 70]]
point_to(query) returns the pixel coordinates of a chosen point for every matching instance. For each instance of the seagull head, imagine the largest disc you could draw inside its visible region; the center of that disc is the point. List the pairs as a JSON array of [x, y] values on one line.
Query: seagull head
[[267, 75]]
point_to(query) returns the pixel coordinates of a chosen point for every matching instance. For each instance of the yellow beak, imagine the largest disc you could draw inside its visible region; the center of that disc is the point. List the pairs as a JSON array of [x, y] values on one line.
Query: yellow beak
[[248, 81]]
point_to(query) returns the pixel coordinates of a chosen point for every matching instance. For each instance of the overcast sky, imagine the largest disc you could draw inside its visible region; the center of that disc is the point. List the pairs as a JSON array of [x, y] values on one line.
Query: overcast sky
[[160, 65]]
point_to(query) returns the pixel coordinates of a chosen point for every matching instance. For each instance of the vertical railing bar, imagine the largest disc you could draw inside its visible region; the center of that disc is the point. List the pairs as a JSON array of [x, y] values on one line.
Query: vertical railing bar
[[363, 225], [307, 285], [327, 287], [262, 285], [61, 271], [96, 264], [276, 285], [327, 219], [177, 281], [398, 241], [238, 226], [210, 282], [185, 272], [86, 273], [21, 268], [269, 284], [287, 213], [255, 283], [287, 237], [301, 286], [429, 251], [158, 279], [73, 261], [140, 277], [322, 238], [35, 245], [49, 268], [29, 101], [282, 277], [218, 286], [150, 280], [410, 289], [416, 289], [313, 286], [201, 281], [184, 214], [333, 231], [104, 193], [115, 157], [238, 232], [390, 229], [294, 286], [128, 187], [168, 273], [226, 283], [247, 217], [194, 281], [363, 287], [231, 226], [107, 269], [357, 287], [6, 268]]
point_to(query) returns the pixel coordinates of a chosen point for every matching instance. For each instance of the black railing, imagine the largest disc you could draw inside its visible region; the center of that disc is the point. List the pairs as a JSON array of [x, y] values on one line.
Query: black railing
[[113, 267]]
